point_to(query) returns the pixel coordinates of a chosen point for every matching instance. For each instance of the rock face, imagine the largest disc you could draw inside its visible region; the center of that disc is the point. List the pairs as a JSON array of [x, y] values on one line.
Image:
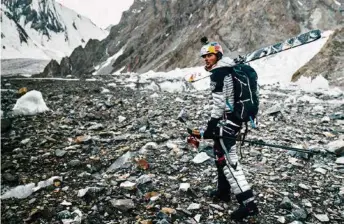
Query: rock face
[[329, 62], [163, 35], [42, 21], [52, 69]]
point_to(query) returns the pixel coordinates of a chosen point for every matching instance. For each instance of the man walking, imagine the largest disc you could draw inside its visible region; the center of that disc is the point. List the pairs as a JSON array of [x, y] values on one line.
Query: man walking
[[230, 173]]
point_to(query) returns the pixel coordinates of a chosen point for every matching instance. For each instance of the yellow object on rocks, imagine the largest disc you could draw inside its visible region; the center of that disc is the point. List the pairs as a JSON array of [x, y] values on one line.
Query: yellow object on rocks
[[22, 91]]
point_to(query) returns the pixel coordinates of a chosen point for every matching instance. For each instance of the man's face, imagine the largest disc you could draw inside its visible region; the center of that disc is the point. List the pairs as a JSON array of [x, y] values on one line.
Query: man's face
[[210, 60]]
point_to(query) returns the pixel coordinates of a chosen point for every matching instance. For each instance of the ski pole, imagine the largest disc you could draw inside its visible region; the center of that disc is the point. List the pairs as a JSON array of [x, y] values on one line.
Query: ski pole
[[270, 145]]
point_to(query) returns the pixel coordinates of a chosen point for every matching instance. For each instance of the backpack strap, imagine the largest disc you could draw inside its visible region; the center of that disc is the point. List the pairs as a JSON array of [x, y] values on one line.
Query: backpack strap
[[243, 139]]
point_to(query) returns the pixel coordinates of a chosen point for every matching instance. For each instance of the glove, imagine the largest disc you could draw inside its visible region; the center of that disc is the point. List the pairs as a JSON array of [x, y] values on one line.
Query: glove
[[194, 132]]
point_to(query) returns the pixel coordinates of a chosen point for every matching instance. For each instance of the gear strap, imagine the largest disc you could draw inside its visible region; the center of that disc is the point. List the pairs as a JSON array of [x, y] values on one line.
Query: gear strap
[[243, 139]]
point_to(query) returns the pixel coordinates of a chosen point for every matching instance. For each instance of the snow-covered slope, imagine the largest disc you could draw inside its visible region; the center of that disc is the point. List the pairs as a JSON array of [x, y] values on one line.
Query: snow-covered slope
[[277, 68], [43, 29]]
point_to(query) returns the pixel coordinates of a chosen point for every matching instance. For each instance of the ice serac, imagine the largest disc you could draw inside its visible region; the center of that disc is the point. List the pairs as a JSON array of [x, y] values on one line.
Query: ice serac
[[164, 35], [43, 29], [30, 104]]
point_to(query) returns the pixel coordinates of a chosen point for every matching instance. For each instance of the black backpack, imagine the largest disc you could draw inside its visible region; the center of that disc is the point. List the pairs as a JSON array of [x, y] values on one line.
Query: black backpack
[[246, 99]]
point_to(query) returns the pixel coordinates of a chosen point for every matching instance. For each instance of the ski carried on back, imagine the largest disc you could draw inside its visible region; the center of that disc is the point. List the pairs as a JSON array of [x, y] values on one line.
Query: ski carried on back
[[293, 42], [299, 40]]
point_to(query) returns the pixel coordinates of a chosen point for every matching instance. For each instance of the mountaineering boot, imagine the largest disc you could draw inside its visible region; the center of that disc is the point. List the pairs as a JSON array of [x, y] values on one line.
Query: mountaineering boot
[[250, 209], [222, 196], [223, 187], [247, 206]]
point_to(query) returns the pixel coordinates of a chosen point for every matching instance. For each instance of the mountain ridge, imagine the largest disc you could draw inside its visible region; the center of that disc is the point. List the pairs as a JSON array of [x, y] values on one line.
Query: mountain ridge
[[164, 35]]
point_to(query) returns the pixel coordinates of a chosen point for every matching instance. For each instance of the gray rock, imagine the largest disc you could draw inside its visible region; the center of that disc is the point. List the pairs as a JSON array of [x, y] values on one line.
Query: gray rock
[[89, 191], [121, 138], [325, 119], [340, 160], [123, 204], [142, 129], [322, 217], [303, 186], [216, 207], [198, 217], [184, 187], [65, 214], [74, 163], [9, 177], [32, 200], [194, 206], [163, 221], [121, 119], [274, 109], [306, 203], [121, 161], [150, 146], [296, 222], [200, 158], [336, 147], [96, 127], [128, 185], [25, 141], [321, 170], [143, 179], [254, 152], [60, 153], [286, 203], [299, 213], [281, 219]]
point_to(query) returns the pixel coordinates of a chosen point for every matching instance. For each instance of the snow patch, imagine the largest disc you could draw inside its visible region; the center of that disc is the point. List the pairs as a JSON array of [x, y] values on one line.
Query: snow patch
[[135, 11], [26, 75], [155, 95], [119, 71], [311, 85], [337, 3], [30, 104], [309, 99], [177, 80], [108, 63], [24, 191]]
